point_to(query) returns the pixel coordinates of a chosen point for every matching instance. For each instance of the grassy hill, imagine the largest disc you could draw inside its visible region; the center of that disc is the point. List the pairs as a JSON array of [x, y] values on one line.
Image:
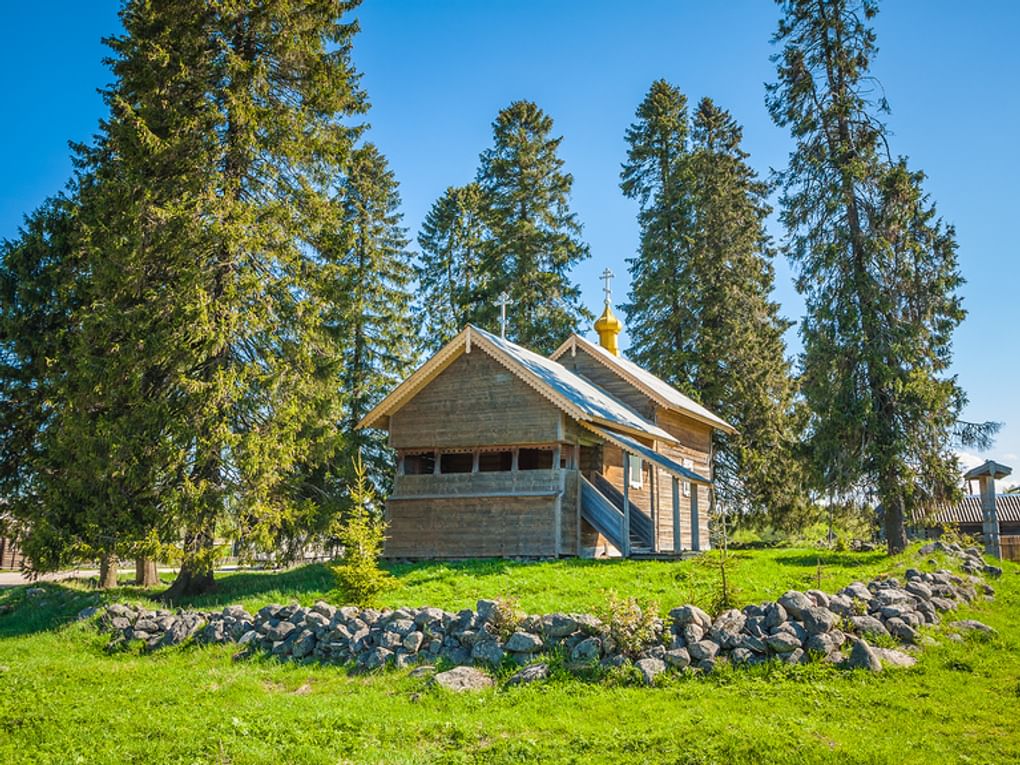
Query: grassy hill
[[63, 699]]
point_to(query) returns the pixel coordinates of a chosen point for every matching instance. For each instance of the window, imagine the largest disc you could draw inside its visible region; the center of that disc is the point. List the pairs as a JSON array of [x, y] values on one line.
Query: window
[[637, 472], [689, 464], [456, 462], [495, 462], [534, 459], [422, 463]]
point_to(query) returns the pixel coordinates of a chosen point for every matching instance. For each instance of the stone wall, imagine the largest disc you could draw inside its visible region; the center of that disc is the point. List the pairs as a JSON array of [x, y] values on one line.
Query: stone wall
[[798, 627]]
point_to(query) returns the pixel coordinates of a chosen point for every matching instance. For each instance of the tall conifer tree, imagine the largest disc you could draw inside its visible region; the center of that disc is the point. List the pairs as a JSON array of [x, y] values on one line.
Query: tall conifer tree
[[741, 371], [376, 331], [449, 271], [234, 120], [534, 239], [661, 312], [877, 268], [700, 310]]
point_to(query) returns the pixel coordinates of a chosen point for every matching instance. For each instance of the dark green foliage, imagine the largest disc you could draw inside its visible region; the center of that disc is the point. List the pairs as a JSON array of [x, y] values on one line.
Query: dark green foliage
[[535, 238], [272, 87], [373, 321], [878, 270], [449, 273], [195, 376], [700, 312], [511, 231]]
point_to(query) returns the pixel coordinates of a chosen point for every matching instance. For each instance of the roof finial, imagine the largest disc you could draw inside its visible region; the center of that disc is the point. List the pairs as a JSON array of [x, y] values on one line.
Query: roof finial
[[503, 301], [608, 326], [607, 276]]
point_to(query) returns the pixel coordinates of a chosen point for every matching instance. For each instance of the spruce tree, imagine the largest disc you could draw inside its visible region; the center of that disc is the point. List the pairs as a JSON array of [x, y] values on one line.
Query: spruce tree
[[84, 439], [700, 310], [877, 268], [376, 330], [533, 238], [233, 120], [449, 270], [661, 313], [741, 371]]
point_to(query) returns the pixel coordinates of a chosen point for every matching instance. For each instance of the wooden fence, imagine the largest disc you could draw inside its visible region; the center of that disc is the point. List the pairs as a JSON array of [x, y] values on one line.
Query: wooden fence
[[1010, 547]]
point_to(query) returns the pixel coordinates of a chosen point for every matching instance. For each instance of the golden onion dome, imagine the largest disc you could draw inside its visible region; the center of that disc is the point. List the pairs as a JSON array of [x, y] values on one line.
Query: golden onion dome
[[608, 328]]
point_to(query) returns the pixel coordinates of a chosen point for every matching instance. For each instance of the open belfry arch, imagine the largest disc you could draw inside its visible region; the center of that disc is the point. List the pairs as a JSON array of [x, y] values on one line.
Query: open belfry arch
[[503, 452]]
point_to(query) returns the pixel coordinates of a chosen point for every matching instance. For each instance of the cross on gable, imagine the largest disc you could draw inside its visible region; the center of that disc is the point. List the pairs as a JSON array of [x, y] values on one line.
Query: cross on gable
[[503, 301]]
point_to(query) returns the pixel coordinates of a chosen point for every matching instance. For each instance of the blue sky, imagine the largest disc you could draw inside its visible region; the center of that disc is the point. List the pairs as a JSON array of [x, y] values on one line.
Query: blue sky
[[438, 72]]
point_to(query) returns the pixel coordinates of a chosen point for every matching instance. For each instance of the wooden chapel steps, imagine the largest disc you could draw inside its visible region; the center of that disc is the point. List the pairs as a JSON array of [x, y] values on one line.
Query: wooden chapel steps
[[640, 524], [606, 517]]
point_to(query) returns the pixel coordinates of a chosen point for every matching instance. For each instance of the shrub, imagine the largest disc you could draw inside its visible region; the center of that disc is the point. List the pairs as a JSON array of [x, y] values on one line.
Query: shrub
[[361, 533], [506, 616], [631, 626]]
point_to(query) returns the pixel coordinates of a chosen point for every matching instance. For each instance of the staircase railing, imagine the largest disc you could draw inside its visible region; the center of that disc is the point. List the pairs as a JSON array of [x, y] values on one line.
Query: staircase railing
[[601, 513], [640, 524]]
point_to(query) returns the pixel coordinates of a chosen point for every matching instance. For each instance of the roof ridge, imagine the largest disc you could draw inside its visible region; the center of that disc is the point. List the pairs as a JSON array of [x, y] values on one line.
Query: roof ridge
[[622, 366], [579, 398]]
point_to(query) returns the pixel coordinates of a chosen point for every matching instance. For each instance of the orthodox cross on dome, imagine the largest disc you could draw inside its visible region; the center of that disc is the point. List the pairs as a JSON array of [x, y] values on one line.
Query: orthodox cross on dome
[[503, 301], [608, 275]]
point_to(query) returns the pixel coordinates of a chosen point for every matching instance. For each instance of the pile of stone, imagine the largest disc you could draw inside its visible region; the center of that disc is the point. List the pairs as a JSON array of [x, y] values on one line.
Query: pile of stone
[[798, 627]]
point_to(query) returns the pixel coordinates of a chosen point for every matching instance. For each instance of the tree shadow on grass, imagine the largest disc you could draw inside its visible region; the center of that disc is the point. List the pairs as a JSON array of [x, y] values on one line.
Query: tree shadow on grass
[[298, 582], [52, 605], [847, 560]]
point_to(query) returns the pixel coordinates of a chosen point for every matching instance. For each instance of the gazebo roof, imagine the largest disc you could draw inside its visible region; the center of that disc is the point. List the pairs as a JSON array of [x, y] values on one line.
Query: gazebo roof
[[990, 469]]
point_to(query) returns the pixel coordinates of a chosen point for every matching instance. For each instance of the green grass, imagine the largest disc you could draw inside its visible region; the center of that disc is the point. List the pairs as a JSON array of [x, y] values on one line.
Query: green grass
[[64, 700], [566, 585]]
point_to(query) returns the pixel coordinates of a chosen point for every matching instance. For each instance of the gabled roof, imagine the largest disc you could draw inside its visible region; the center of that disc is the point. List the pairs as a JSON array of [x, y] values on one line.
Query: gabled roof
[[572, 394], [989, 468], [661, 392]]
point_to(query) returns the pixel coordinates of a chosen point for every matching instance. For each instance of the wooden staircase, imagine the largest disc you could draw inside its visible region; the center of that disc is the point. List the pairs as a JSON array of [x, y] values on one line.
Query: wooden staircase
[[602, 507]]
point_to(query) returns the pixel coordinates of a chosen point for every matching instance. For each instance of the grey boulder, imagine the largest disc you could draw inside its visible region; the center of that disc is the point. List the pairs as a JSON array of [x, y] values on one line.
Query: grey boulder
[[863, 657], [461, 679], [650, 669]]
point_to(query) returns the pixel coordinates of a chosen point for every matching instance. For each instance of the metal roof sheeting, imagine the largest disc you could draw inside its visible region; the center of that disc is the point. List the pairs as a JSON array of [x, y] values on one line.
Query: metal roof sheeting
[[634, 447], [660, 388], [590, 400], [969, 510]]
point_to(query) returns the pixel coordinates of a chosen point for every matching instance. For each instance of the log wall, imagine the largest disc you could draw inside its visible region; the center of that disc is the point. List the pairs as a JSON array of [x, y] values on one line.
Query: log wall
[[471, 527], [474, 402], [598, 373]]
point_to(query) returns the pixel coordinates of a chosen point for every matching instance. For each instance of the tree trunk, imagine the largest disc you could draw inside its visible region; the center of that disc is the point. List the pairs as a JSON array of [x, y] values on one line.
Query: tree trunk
[[145, 572], [108, 571], [191, 580], [196, 574], [895, 529]]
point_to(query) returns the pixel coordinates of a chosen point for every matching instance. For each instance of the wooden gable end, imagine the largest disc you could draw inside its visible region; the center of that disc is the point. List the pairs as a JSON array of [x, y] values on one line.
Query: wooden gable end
[[475, 401], [580, 363]]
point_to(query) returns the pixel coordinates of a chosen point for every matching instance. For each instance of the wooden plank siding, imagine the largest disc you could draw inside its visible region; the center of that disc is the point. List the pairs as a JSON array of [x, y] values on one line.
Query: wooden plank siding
[[474, 402], [569, 512], [467, 484], [466, 527], [1010, 548], [695, 445], [612, 470]]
